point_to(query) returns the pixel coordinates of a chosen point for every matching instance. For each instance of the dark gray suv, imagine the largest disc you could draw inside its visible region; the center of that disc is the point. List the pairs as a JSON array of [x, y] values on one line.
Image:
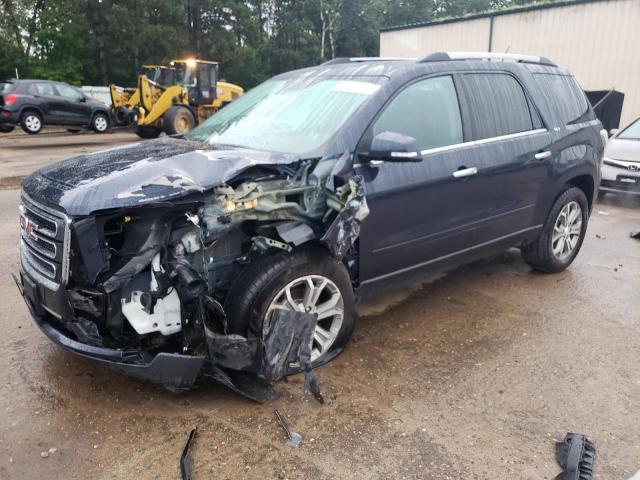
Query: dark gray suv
[[169, 259], [32, 104]]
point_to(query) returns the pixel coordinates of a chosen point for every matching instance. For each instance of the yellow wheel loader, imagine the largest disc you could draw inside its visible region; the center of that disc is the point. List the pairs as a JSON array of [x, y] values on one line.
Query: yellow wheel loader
[[195, 95], [124, 100]]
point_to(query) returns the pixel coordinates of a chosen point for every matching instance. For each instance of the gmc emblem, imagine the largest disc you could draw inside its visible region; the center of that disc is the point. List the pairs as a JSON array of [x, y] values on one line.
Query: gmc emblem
[[634, 168], [29, 227]]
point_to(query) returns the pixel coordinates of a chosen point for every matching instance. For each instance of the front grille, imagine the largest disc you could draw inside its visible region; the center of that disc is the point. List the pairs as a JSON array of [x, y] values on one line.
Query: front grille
[[45, 240]]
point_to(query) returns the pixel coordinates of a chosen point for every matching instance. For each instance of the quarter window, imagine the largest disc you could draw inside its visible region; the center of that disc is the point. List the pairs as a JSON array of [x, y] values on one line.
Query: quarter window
[[428, 111], [566, 95], [498, 105]]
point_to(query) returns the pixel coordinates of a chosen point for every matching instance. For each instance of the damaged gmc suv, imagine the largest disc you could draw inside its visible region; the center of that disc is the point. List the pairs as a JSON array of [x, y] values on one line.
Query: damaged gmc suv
[[237, 251]]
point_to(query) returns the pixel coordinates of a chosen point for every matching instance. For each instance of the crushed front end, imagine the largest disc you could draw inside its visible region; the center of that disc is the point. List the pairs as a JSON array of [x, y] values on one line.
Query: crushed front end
[[142, 288]]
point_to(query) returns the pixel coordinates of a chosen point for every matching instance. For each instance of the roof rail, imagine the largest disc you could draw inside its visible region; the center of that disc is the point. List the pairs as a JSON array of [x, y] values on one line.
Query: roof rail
[[492, 56], [338, 60]]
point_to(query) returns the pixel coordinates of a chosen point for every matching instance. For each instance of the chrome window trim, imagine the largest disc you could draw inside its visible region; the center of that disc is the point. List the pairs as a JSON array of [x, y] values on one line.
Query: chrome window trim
[[473, 143]]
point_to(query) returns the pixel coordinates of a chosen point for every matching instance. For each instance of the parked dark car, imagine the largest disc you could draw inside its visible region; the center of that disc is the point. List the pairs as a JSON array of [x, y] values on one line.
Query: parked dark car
[[32, 104], [168, 258]]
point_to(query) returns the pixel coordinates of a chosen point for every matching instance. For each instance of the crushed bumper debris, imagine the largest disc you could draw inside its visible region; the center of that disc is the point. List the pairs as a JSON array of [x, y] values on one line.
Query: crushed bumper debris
[[249, 366], [186, 462], [293, 438], [575, 455]]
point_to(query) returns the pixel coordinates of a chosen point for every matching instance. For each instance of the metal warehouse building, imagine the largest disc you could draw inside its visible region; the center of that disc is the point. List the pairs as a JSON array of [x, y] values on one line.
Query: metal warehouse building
[[598, 40]]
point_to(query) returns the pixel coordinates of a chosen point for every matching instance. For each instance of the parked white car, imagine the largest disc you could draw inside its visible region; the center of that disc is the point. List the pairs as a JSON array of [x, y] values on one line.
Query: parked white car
[[621, 164]]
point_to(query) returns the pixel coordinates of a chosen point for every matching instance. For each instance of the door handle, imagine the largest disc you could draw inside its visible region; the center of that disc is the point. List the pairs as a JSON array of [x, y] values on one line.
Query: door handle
[[542, 155], [466, 172]]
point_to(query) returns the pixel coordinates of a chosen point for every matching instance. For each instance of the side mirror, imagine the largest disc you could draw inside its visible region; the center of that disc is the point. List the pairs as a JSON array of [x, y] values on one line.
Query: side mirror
[[394, 147], [613, 132]]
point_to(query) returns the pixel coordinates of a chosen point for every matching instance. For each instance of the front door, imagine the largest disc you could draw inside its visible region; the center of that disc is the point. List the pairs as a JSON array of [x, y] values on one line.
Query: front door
[[418, 210], [73, 105]]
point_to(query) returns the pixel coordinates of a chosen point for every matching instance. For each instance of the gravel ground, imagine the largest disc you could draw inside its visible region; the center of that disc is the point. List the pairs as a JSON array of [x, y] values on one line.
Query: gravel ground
[[473, 375]]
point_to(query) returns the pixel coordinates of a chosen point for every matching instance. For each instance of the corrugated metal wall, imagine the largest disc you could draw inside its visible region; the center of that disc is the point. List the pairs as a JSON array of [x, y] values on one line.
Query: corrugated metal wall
[[598, 41]]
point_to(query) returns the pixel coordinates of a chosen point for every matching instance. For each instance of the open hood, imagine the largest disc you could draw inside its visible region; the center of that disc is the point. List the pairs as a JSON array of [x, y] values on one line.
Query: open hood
[[141, 173]]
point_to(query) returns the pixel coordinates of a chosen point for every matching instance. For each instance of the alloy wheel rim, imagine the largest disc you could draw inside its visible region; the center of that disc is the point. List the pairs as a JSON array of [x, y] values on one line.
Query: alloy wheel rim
[[100, 124], [314, 294], [566, 231], [32, 123]]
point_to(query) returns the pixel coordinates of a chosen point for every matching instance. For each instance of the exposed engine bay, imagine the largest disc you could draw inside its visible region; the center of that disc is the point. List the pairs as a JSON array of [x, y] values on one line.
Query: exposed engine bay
[[154, 278]]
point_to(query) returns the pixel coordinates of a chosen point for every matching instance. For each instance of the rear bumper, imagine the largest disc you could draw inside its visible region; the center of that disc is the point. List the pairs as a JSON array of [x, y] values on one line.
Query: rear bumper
[[173, 371], [8, 116]]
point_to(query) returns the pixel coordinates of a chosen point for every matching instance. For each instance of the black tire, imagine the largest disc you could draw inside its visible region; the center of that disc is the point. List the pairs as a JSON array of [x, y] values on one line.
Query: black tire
[[73, 130], [539, 254], [255, 288], [100, 123], [123, 116], [178, 120], [148, 132], [6, 128], [31, 122]]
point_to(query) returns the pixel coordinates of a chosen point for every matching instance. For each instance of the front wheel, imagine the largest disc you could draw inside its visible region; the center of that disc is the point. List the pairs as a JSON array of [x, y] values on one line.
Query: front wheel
[[308, 280], [100, 123], [178, 120], [562, 234]]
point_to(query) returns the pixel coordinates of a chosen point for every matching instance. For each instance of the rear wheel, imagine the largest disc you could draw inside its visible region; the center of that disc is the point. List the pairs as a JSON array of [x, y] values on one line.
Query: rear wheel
[[31, 122], [307, 280], [562, 234], [148, 132], [178, 120], [6, 128], [100, 123]]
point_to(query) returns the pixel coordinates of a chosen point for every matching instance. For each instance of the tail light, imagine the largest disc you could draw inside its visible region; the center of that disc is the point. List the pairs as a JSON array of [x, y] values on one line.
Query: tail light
[[10, 99]]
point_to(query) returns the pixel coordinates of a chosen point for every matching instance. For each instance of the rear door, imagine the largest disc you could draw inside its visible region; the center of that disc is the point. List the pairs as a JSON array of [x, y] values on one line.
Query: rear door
[[511, 151], [46, 98]]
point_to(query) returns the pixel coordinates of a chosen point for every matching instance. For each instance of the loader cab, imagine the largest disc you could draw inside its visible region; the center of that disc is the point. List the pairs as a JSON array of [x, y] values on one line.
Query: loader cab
[[199, 77], [160, 74]]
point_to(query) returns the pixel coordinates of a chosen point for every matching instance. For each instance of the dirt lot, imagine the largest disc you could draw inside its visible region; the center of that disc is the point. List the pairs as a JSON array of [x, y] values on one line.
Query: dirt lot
[[473, 375]]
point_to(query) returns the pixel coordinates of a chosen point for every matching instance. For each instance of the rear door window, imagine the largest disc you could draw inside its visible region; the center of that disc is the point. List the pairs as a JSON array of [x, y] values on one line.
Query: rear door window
[[427, 110], [566, 95], [41, 89], [497, 105]]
